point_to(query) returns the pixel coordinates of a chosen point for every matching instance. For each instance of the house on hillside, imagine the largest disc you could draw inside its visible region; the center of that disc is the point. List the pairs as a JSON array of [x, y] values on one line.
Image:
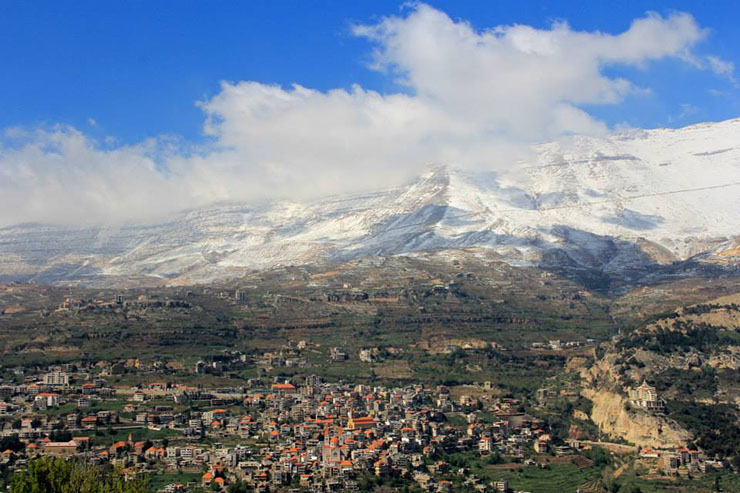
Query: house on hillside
[[646, 397]]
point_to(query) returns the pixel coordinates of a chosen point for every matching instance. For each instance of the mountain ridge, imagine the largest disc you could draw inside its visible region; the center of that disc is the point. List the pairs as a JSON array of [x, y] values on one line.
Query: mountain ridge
[[611, 204]]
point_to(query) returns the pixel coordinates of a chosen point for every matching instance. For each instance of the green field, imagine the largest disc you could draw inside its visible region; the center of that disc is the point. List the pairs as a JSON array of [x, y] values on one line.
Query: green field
[[158, 481]]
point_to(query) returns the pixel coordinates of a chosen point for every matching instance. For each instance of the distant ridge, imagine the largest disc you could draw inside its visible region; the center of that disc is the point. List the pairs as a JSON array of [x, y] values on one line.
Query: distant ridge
[[630, 201]]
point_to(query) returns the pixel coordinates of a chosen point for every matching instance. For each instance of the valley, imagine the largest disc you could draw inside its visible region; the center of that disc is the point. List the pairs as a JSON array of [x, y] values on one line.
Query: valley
[[473, 324]]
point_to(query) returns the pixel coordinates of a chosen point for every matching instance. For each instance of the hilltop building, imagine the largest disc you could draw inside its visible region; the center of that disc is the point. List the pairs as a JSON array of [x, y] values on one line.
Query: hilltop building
[[646, 397]]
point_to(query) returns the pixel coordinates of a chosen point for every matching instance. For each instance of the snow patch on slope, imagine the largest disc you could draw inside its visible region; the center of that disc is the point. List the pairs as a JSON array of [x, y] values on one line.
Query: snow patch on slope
[[607, 203]]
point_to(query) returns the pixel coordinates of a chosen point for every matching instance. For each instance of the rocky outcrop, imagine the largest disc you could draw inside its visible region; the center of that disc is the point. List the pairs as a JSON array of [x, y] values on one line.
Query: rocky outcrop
[[615, 417], [443, 345], [611, 413], [727, 360], [576, 363], [635, 358]]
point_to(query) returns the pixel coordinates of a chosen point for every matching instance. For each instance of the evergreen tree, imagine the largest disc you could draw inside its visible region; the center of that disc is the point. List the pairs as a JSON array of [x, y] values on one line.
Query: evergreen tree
[[56, 475]]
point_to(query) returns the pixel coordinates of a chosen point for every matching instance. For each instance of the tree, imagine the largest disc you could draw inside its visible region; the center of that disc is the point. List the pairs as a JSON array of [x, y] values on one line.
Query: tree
[[238, 487], [60, 436], [11, 442], [56, 475]]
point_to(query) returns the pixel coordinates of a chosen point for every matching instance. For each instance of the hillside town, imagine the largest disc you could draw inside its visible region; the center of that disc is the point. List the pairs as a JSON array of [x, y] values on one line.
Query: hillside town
[[279, 434]]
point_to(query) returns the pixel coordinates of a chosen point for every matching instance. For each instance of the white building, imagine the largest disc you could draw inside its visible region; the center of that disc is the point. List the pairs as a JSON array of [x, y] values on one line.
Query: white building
[[57, 379], [646, 397]]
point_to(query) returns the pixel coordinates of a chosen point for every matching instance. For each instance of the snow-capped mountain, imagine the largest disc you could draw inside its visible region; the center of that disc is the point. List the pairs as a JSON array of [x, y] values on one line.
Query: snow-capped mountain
[[627, 201]]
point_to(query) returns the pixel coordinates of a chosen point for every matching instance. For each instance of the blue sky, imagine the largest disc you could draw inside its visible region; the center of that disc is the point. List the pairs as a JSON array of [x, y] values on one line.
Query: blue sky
[[119, 111], [137, 67]]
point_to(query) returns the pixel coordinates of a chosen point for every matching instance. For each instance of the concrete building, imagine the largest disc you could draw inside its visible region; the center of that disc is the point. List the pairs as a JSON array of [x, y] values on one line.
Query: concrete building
[[57, 379]]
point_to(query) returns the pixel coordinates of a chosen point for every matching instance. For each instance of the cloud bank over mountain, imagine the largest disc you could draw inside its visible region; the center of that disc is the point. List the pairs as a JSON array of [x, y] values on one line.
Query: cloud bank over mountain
[[466, 97]]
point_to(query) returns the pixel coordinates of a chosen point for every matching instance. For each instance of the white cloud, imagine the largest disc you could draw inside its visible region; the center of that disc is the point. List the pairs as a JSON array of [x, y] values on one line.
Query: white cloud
[[723, 68], [471, 98], [720, 67], [60, 175]]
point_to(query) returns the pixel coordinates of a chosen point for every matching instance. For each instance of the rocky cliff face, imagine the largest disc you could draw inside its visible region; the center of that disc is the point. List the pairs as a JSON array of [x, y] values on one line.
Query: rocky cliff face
[[694, 343], [610, 413], [614, 416]]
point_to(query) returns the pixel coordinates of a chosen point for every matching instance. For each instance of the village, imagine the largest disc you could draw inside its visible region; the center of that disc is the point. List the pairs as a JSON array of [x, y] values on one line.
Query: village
[[285, 394], [273, 434]]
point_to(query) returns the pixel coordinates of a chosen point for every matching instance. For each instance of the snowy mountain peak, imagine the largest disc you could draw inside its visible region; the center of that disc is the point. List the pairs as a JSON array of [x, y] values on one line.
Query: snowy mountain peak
[[637, 198]]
